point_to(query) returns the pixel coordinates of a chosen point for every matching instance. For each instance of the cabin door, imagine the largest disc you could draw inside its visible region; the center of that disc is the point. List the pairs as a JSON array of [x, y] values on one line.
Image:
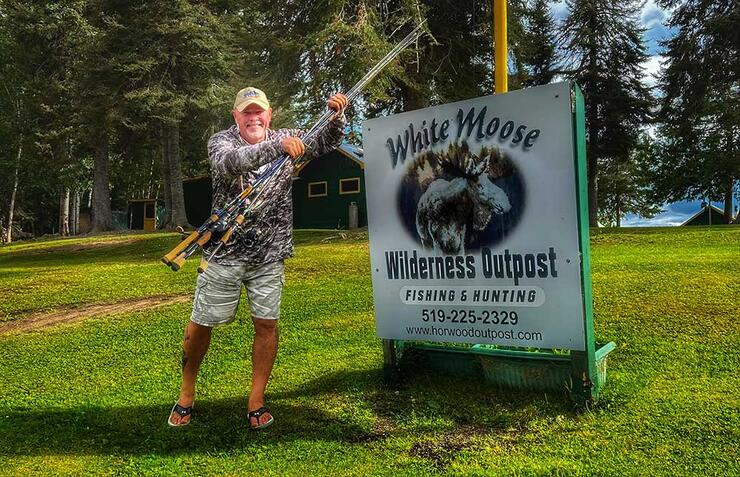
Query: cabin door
[[150, 216]]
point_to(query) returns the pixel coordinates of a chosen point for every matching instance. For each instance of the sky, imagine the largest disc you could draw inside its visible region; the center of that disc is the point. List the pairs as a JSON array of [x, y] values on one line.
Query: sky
[[653, 18]]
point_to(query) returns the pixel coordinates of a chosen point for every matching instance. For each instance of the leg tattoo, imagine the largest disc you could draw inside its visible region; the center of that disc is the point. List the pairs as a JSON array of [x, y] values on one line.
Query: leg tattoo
[[184, 353]]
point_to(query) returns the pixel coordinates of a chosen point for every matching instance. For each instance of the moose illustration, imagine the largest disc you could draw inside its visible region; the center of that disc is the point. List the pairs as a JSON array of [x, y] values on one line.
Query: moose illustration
[[447, 207]]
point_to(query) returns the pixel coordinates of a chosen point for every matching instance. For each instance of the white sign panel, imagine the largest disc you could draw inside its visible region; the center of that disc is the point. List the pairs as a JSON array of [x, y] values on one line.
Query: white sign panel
[[473, 223]]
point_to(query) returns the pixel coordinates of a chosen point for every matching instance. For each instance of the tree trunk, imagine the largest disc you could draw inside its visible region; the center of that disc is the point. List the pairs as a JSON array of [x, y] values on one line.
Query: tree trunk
[[11, 207], [592, 116], [177, 199], [102, 217], [728, 201], [60, 213], [64, 212], [412, 100], [74, 213], [150, 183], [592, 174], [166, 191]]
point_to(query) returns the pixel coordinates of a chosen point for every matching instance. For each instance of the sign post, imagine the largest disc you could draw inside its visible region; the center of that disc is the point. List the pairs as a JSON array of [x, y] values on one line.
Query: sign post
[[500, 50], [478, 227]]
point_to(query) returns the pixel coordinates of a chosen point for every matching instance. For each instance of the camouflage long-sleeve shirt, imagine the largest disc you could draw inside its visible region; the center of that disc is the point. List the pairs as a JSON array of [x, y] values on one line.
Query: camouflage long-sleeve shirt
[[267, 234]]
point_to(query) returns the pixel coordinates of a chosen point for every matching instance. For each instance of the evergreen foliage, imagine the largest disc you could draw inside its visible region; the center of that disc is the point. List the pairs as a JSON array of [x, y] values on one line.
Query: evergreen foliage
[[180, 73], [700, 106], [538, 45], [625, 185], [307, 53], [604, 51], [108, 100], [41, 44]]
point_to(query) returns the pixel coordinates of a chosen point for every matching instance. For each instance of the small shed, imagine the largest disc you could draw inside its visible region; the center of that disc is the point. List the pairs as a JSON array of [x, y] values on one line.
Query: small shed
[[142, 214], [329, 191], [708, 215]]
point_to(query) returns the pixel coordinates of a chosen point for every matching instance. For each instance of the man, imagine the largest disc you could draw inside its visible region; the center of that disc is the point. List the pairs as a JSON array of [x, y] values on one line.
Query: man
[[254, 255]]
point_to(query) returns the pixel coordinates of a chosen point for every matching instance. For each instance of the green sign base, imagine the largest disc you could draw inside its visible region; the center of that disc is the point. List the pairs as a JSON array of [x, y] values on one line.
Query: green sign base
[[504, 368]]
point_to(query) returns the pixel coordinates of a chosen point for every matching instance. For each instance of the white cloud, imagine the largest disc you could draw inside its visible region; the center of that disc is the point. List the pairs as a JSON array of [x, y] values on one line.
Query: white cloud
[[673, 214], [558, 8], [652, 15], [653, 66], [660, 220], [669, 217]]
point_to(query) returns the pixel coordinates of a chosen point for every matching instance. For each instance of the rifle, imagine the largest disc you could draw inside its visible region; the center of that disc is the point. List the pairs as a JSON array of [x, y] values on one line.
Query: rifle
[[222, 224]]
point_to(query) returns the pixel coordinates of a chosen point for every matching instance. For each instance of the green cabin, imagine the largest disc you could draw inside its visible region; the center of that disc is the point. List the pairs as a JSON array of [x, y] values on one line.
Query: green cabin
[[326, 192], [708, 215], [329, 190]]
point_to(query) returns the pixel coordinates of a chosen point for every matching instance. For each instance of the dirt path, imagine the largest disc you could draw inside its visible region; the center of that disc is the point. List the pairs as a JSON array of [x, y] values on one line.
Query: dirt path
[[24, 249], [75, 314]]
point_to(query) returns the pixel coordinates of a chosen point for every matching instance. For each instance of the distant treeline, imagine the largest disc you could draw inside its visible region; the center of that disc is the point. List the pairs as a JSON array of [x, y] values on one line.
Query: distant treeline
[[103, 101]]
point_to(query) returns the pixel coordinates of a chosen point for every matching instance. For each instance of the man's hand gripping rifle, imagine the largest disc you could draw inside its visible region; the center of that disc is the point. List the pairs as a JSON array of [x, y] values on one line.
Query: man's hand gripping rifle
[[220, 226]]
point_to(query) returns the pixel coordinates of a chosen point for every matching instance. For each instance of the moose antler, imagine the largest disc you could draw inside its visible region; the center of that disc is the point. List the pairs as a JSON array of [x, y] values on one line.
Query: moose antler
[[460, 162]]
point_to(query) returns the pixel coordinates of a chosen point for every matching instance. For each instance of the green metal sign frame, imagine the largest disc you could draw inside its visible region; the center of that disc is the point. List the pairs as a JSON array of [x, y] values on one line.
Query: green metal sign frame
[[581, 373]]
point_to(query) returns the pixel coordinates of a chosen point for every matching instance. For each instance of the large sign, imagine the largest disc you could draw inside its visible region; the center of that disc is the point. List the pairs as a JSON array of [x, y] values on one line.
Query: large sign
[[473, 221]]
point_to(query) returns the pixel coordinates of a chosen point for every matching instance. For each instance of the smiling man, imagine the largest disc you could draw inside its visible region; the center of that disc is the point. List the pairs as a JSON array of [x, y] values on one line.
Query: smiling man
[[254, 255]]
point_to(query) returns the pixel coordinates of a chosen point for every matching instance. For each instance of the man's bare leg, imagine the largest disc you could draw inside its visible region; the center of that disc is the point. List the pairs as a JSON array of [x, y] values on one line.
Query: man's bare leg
[[194, 347], [264, 350]]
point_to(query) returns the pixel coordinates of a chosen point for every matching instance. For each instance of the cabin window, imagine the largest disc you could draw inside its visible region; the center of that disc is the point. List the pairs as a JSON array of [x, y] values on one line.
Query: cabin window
[[317, 189], [349, 186]]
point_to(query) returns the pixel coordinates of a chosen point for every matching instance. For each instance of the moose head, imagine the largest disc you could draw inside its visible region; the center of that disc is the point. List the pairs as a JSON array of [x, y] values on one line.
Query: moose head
[[447, 207]]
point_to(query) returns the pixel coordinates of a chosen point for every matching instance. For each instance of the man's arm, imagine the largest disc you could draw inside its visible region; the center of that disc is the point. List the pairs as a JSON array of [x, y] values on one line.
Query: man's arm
[[330, 137], [233, 161]]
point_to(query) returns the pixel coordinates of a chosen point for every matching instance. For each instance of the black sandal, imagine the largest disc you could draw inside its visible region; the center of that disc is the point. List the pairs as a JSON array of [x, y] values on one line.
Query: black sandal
[[256, 414], [180, 411]]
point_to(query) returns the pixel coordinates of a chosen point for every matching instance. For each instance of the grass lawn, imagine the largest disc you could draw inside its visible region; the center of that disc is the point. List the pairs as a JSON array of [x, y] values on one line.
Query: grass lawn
[[93, 397]]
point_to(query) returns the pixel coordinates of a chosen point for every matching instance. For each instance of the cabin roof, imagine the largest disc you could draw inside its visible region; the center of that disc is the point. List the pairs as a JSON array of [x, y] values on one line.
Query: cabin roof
[[349, 151], [701, 211]]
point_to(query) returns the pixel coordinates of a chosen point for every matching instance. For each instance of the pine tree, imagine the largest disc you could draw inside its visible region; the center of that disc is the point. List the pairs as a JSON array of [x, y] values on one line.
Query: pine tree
[[14, 104], [40, 44], [538, 44], [171, 62], [304, 53], [603, 49], [700, 107], [625, 185]]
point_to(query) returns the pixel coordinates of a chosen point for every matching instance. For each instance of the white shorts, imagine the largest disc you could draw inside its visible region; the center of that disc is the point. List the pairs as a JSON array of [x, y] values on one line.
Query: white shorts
[[218, 289]]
